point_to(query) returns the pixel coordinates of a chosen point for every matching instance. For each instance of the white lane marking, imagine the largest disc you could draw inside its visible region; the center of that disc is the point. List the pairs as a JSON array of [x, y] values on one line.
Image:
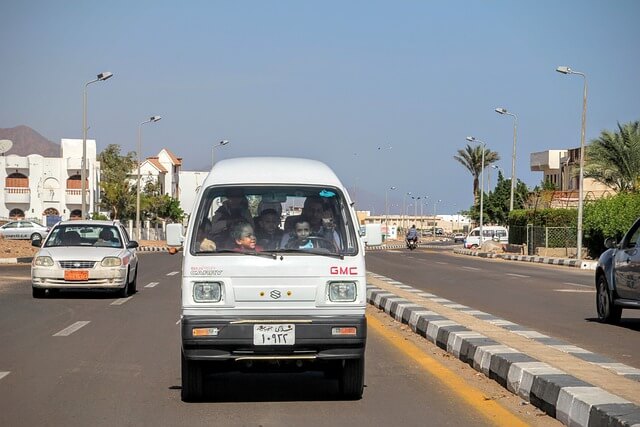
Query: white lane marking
[[442, 263], [152, 285], [121, 301], [471, 268], [178, 322], [577, 291], [576, 284], [3, 374], [173, 273], [516, 275], [71, 329]]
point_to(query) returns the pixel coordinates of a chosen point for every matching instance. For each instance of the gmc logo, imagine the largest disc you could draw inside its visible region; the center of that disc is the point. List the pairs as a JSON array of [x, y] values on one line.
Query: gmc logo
[[345, 271]]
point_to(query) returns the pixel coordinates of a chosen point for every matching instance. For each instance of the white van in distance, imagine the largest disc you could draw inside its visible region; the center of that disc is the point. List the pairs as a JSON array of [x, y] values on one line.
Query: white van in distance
[[260, 288], [496, 233]]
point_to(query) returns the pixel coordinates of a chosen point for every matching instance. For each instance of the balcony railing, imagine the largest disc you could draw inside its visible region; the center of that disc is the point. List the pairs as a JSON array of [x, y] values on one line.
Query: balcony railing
[[74, 197], [17, 195]]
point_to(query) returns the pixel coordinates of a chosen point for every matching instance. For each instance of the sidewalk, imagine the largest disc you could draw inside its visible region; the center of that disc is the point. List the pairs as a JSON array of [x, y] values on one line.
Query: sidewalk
[[584, 265], [569, 383]]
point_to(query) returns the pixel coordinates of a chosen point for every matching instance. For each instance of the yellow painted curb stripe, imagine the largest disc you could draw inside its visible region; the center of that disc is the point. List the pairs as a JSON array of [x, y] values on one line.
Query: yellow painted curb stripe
[[474, 397]]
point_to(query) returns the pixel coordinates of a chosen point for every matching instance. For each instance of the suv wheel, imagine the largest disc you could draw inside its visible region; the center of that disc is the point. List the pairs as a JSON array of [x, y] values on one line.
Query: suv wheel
[[607, 311]]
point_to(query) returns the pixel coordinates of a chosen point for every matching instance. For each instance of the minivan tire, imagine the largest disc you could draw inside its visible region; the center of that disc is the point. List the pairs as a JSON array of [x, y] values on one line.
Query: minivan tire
[[351, 378], [192, 379]]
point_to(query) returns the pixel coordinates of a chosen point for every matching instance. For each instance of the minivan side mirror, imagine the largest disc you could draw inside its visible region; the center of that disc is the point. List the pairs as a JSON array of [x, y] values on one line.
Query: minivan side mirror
[[174, 235], [610, 242]]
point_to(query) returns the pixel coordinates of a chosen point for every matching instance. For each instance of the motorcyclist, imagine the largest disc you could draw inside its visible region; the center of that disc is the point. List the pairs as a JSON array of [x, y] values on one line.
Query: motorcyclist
[[412, 234]]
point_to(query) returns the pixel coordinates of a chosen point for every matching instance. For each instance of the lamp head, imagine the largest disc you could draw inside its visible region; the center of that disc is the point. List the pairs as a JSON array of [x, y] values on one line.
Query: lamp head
[[223, 142], [392, 188], [501, 110], [471, 139], [104, 76], [155, 118], [564, 69]]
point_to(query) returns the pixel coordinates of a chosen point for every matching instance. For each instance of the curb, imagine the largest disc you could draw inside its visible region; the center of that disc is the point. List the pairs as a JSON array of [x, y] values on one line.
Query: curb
[[27, 260], [560, 395], [584, 265]]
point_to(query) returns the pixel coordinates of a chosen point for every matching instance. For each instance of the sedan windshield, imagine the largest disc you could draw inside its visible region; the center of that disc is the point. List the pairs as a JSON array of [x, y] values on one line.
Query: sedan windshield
[[84, 235]]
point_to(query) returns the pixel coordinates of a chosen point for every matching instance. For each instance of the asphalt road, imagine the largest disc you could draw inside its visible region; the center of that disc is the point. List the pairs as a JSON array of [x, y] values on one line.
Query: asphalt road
[[85, 358], [553, 300]]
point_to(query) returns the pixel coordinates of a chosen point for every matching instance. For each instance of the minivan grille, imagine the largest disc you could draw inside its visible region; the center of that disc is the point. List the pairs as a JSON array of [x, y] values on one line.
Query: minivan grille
[[77, 264]]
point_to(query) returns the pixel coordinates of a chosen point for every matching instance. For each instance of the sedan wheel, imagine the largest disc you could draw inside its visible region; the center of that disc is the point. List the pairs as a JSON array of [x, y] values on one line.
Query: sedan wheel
[[124, 292], [607, 311]]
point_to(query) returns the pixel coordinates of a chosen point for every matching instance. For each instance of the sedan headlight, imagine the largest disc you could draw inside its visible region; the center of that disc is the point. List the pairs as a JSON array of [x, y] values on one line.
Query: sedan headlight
[[43, 261], [207, 291], [342, 291], [111, 261]]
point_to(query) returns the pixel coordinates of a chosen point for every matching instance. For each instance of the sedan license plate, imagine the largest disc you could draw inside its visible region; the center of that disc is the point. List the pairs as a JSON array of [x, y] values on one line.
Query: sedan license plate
[[74, 275], [276, 334]]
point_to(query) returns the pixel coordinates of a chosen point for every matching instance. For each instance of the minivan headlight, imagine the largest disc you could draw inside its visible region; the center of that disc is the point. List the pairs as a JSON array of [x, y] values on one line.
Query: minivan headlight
[[111, 261], [43, 261], [207, 292], [342, 291]]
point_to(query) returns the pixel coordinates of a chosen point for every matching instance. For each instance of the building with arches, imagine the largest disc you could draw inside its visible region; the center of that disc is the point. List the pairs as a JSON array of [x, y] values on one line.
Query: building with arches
[[49, 189]]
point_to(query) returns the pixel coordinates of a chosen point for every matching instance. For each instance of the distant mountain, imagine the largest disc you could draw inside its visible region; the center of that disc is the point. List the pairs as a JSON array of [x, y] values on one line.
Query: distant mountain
[[27, 141]]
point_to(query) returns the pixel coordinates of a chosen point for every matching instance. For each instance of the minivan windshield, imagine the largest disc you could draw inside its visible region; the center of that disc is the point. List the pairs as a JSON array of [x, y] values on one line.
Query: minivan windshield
[[273, 219]]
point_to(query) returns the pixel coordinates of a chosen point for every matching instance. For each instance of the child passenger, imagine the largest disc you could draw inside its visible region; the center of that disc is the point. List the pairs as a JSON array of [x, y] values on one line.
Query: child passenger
[[244, 238], [268, 234], [299, 239]]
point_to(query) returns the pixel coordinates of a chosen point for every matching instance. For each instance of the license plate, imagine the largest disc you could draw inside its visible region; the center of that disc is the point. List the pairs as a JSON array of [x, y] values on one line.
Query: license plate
[[76, 275], [276, 334]]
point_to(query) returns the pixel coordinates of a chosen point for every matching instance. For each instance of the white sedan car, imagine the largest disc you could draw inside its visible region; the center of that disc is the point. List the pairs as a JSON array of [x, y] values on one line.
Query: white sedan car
[[85, 255], [23, 229]]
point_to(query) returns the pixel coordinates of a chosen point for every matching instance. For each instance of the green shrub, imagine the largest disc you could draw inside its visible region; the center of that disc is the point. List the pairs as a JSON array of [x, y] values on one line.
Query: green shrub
[[608, 217]]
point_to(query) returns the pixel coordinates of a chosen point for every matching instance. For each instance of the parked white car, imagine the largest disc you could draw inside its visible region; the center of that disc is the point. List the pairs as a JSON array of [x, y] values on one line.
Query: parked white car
[[85, 255], [23, 230]]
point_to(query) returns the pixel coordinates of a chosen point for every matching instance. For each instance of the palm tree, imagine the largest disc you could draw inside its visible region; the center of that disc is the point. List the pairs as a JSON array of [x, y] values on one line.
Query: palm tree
[[614, 158], [471, 158]]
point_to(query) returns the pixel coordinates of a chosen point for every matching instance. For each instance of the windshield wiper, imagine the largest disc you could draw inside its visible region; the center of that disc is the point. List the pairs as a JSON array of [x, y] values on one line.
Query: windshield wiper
[[311, 251], [254, 253]]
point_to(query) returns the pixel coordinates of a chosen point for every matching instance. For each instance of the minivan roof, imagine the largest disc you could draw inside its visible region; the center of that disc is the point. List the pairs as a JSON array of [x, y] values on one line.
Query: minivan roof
[[271, 170]]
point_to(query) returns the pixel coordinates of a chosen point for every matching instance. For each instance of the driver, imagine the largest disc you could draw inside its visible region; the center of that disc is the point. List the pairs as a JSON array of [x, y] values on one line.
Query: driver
[[299, 238]]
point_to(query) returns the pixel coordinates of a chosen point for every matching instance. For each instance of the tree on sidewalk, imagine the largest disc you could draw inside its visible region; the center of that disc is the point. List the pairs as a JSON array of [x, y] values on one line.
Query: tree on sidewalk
[[117, 194]]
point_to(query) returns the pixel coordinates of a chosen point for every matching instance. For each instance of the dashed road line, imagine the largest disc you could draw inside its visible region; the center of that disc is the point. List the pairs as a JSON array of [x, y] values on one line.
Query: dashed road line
[[517, 275], [577, 291], [471, 268], [173, 273], [442, 263], [71, 329], [121, 301], [152, 285], [576, 284], [178, 322], [4, 374]]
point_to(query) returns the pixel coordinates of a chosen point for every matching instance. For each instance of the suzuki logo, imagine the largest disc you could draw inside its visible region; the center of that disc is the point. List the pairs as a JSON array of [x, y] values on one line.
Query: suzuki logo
[[275, 294]]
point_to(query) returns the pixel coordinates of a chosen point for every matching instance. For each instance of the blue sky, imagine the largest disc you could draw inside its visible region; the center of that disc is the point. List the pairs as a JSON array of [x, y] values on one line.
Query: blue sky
[[329, 80]]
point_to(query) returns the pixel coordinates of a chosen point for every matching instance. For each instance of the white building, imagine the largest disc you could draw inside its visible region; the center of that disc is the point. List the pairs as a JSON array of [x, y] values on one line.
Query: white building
[[190, 182], [163, 169], [48, 188]]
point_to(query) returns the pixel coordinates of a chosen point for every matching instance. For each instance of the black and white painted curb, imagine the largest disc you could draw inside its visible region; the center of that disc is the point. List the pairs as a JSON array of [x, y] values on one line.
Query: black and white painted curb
[[404, 246], [585, 265], [570, 400]]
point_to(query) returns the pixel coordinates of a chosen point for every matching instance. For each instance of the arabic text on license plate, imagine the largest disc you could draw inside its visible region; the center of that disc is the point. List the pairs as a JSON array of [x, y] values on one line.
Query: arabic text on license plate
[[76, 275], [276, 334]]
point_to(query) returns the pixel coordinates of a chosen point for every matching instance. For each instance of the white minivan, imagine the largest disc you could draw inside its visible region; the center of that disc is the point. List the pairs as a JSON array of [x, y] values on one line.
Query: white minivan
[[273, 274], [496, 233]]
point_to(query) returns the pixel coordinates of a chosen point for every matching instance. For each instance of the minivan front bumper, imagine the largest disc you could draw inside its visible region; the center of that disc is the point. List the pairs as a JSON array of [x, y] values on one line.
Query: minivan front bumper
[[232, 338]]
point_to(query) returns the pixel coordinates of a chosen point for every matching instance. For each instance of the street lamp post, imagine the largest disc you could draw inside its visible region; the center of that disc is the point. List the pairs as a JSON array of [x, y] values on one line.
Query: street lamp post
[[218, 145], [435, 220], [83, 173], [484, 148], [567, 70], [386, 205], [404, 207], [503, 111], [151, 119]]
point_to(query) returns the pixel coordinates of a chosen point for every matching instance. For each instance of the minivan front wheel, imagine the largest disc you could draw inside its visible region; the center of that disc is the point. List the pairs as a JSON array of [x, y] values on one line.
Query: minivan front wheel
[[607, 311], [351, 379], [192, 379]]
